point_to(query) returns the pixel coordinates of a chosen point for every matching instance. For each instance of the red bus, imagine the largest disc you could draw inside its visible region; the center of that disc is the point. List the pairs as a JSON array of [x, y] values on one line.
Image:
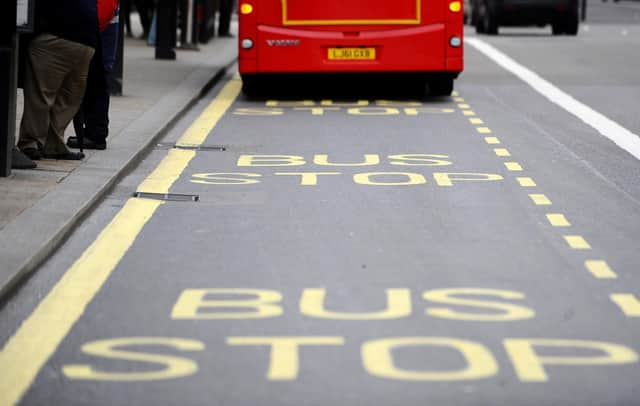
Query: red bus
[[416, 37]]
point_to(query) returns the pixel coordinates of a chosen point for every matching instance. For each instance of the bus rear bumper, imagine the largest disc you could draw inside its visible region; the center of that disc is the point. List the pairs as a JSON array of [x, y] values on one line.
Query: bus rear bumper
[[286, 50]]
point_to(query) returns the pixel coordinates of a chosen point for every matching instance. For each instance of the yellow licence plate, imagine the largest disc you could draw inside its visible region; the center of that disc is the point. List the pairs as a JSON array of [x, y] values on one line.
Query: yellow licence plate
[[352, 54]]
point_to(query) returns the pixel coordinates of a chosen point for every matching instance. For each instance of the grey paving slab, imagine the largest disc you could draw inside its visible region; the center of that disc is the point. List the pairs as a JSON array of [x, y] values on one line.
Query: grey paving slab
[[39, 208]]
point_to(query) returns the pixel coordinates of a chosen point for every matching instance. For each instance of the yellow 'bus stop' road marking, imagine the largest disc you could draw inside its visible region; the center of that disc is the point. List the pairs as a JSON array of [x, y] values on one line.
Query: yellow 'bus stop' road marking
[[41, 333]]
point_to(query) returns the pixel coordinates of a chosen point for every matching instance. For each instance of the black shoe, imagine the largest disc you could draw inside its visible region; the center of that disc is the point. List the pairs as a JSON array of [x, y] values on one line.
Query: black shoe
[[21, 161], [65, 156], [87, 143], [32, 153]]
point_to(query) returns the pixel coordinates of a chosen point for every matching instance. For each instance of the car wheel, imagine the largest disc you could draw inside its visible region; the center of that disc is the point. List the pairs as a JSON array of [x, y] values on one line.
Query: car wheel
[[558, 27], [571, 24], [474, 15], [480, 12], [489, 22]]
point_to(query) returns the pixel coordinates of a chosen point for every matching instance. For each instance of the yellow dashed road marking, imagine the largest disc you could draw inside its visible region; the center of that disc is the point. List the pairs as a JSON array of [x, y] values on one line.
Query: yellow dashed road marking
[[502, 152], [513, 166], [600, 269], [577, 242], [464, 106], [558, 220], [628, 303], [540, 199], [526, 182]]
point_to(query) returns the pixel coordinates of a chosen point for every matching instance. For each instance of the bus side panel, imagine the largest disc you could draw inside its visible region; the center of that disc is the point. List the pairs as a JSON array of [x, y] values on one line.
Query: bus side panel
[[455, 28]]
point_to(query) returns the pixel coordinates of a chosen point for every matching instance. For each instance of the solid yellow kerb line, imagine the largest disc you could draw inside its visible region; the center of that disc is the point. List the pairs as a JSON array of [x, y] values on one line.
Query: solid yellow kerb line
[[40, 335], [201, 128]]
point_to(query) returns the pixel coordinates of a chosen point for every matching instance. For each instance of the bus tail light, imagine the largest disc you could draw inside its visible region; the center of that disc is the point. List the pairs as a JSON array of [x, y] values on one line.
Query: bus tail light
[[246, 8], [455, 41], [455, 6]]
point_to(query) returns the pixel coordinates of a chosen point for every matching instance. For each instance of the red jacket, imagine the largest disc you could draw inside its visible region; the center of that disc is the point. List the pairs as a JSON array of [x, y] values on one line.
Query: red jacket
[[106, 12]]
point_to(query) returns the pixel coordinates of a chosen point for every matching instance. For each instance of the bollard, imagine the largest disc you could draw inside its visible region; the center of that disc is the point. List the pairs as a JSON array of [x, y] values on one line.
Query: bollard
[[207, 19], [166, 32], [195, 29]]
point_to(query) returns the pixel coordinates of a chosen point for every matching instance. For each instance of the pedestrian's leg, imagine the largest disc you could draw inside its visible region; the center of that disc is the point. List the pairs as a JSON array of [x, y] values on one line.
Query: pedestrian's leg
[[43, 78], [79, 122], [145, 16], [97, 114], [69, 97], [125, 8], [92, 92]]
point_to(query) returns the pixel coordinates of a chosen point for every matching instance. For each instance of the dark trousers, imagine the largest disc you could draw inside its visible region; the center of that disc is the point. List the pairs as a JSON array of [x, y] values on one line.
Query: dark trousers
[[145, 10], [226, 8], [92, 119], [55, 79]]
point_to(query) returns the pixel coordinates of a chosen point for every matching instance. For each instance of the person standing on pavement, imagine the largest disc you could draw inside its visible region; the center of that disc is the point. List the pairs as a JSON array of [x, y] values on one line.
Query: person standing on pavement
[[56, 70], [91, 123], [224, 22]]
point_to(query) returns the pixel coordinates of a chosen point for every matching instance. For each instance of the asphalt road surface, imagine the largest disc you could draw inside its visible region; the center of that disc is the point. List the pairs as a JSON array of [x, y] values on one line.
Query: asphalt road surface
[[481, 249]]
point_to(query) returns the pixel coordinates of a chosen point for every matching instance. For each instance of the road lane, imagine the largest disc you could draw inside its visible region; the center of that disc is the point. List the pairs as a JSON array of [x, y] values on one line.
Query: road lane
[[355, 238], [369, 251]]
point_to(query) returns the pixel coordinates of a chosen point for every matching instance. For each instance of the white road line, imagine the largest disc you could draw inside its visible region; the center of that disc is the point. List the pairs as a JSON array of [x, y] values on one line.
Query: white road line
[[624, 138]]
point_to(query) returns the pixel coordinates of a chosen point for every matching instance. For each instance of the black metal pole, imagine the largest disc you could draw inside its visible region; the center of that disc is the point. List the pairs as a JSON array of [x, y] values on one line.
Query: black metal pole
[[117, 74], [184, 19], [207, 12], [188, 21], [583, 12], [8, 82], [195, 26], [166, 30]]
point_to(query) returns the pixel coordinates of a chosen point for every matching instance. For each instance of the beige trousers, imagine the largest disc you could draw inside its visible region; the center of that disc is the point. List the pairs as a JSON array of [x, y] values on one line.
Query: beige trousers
[[54, 83]]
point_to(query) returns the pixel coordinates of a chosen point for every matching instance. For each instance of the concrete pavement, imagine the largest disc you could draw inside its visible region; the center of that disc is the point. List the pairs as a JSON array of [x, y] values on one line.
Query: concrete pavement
[[39, 208]]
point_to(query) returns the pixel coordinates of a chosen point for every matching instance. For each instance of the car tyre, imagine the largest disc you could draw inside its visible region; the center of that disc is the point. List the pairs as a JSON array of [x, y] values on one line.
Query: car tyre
[[571, 24], [489, 22], [558, 27]]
